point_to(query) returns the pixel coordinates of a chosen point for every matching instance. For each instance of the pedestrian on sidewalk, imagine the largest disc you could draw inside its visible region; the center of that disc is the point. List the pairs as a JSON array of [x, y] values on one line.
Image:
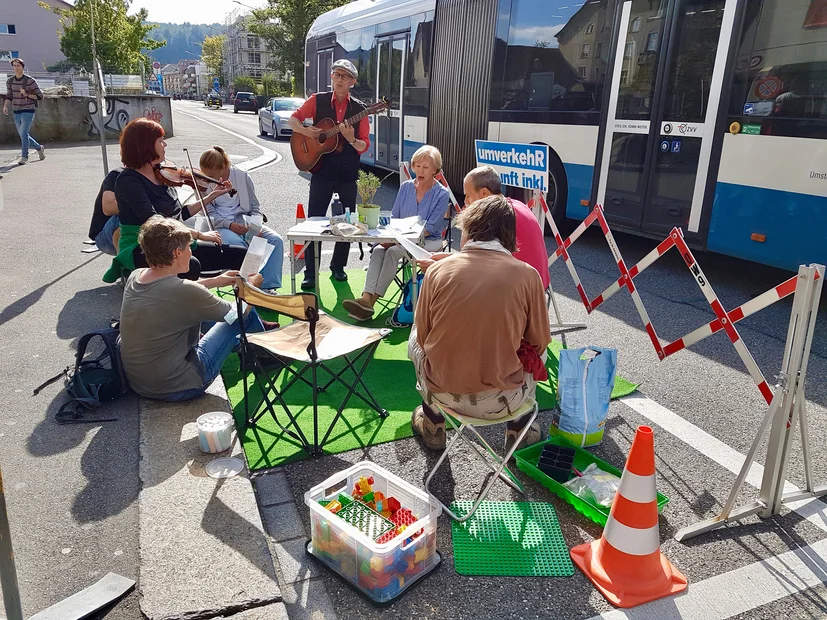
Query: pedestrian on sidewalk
[[337, 171], [24, 94]]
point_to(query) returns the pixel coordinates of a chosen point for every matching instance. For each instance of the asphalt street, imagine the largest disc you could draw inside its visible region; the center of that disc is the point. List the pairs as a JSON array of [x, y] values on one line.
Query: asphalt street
[[72, 490]]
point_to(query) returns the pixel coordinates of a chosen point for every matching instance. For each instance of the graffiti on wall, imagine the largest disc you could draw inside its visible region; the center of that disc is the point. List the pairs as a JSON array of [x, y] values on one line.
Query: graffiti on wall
[[153, 114], [117, 116]]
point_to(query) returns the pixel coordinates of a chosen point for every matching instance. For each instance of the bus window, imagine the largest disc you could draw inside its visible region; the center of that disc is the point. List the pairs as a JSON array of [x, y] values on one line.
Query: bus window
[[780, 80], [555, 56], [357, 46], [418, 65]]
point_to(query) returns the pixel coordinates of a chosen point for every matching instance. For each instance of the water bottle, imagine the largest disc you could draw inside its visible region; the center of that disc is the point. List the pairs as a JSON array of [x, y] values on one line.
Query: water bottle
[[336, 206], [347, 215]]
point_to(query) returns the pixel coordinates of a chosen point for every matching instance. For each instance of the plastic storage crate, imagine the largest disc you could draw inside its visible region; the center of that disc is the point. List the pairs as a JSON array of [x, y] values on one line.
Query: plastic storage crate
[[527, 461], [381, 571]]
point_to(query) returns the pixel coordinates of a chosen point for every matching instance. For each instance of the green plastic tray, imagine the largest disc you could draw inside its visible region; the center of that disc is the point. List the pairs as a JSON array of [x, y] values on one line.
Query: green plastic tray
[[527, 461]]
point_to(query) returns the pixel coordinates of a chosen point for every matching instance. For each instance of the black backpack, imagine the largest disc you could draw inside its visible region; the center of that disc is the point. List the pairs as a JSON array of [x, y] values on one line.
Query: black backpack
[[94, 380]]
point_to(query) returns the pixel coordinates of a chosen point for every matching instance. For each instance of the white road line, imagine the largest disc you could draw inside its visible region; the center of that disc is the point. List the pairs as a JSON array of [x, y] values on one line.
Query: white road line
[[267, 156], [814, 510], [738, 591]]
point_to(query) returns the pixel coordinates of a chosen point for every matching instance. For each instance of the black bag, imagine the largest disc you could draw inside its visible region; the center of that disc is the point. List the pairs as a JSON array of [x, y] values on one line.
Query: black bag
[[94, 380]]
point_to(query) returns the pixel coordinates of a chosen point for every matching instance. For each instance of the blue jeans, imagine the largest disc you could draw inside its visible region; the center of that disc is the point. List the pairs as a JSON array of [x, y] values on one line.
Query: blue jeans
[[213, 350], [23, 121], [271, 272], [104, 239]]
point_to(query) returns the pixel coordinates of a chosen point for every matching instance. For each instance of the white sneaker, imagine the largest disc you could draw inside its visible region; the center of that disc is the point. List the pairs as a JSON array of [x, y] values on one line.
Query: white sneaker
[[22, 160], [42, 153]]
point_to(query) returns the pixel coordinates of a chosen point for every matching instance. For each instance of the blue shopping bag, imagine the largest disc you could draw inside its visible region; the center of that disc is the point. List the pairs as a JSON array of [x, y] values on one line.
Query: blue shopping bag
[[585, 380]]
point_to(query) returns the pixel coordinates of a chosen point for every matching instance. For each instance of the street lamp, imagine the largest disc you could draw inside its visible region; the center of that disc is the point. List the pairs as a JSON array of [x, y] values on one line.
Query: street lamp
[[245, 5]]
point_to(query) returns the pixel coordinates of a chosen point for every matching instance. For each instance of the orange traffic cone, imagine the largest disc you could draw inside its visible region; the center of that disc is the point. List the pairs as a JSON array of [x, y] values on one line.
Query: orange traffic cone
[[626, 564], [298, 248]]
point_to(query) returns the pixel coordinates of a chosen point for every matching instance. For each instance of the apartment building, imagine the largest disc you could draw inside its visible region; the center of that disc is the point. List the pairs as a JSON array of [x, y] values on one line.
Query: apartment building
[[30, 32], [245, 53]]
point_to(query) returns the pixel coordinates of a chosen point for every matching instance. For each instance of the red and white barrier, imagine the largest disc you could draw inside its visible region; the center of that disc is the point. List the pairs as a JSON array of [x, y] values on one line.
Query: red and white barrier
[[724, 320]]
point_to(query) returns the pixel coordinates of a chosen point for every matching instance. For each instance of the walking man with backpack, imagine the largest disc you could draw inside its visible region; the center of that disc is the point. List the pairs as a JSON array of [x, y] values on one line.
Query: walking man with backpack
[[23, 93]]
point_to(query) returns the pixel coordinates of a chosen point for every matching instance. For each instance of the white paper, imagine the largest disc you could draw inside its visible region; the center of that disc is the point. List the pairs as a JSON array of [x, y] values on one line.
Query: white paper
[[414, 250], [232, 315], [254, 224], [340, 339], [258, 253], [314, 226], [405, 225]]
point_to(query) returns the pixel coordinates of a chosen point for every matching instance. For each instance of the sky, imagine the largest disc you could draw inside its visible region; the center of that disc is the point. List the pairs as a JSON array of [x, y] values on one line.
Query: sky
[[192, 11]]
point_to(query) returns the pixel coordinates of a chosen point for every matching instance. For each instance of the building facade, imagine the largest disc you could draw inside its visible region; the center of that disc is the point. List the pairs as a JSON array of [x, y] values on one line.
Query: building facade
[[30, 32], [244, 52], [172, 79]]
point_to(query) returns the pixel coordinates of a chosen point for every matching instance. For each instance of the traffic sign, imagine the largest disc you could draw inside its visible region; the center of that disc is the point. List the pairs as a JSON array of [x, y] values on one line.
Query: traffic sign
[[215, 83], [156, 65], [767, 88]]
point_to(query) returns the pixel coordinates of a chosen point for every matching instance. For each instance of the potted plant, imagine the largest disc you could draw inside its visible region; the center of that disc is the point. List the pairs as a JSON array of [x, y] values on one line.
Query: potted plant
[[367, 184]]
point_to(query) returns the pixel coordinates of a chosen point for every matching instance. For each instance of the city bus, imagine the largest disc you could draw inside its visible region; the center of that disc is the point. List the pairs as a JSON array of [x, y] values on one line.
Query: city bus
[[709, 115]]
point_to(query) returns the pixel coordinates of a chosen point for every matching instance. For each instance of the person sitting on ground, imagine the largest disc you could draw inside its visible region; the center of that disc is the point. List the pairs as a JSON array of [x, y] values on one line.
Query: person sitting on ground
[[162, 315], [140, 195], [531, 247], [423, 196], [227, 212], [476, 308], [104, 229]]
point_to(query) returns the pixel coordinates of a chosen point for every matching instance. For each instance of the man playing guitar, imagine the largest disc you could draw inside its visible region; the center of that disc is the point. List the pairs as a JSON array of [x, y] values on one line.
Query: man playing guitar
[[337, 171]]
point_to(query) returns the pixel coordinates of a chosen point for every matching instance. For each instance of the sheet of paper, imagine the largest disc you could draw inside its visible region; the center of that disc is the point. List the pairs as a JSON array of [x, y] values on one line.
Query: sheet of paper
[[232, 314], [414, 250], [254, 224], [311, 225], [340, 339], [405, 225], [257, 256]]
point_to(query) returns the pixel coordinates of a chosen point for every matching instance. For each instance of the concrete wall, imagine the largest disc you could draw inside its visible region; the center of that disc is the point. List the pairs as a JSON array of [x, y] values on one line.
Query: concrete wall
[[37, 41], [75, 119]]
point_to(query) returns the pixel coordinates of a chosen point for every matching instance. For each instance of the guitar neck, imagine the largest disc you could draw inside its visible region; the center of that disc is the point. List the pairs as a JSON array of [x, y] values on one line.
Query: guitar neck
[[356, 118]]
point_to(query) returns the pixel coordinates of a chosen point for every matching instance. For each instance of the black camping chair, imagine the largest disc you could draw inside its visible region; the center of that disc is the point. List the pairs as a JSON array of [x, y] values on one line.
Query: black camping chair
[[312, 340]]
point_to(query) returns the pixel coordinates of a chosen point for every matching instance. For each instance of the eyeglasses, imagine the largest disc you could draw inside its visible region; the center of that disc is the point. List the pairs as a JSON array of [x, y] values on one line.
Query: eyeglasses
[[341, 76]]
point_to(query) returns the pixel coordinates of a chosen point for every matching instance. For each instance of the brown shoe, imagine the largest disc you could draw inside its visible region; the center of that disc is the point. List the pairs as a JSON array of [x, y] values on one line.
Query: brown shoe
[[432, 433], [534, 435], [356, 310]]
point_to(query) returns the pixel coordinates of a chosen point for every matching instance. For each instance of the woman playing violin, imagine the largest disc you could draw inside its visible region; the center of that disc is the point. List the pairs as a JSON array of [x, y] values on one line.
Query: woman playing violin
[[140, 194]]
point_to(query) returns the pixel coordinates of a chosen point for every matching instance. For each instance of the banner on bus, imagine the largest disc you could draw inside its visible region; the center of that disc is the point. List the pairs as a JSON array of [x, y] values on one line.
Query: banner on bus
[[519, 165]]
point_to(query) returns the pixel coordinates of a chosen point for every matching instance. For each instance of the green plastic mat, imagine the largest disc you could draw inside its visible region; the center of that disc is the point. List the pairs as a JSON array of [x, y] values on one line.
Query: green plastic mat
[[390, 376], [369, 522], [513, 539]]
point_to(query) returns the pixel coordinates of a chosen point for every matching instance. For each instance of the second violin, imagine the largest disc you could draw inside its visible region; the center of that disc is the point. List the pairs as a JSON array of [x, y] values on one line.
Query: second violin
[[174, 176]]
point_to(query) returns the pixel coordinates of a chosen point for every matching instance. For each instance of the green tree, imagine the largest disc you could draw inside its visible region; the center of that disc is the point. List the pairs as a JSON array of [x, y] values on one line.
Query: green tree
[[283, 26], [122, 40], [212, 53], [245, 84]]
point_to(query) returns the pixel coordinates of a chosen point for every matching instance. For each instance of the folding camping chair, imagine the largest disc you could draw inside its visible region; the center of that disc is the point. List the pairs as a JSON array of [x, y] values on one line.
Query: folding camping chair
[[459, 423], [312, 340]]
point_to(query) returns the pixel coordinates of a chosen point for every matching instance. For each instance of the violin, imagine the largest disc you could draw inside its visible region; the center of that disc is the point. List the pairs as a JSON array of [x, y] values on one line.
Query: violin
[[173, 176]]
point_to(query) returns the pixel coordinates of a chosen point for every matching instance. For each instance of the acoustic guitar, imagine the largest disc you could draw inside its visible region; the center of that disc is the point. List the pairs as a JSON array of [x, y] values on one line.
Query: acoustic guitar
[[308, 151]]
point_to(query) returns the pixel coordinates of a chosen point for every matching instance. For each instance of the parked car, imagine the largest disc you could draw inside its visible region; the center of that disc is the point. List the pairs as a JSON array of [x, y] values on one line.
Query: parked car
[[176, 97], [245, 101], [274, 117], [212, 99]]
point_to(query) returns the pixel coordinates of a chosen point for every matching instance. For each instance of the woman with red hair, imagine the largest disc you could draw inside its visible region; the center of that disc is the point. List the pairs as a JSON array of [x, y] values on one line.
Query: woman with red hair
[[140, 195]]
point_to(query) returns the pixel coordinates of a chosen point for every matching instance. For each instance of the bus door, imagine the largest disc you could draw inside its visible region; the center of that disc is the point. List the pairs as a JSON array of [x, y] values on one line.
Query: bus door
[[391, 57], [324, 62], [664, 102]]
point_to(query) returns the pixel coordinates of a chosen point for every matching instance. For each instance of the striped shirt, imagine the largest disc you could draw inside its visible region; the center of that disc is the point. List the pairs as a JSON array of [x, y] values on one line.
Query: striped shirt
[[16, 90]]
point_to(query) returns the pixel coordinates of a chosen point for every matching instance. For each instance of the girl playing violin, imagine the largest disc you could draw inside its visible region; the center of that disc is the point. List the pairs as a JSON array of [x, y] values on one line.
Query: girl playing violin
[[227, 212], [141, 194]]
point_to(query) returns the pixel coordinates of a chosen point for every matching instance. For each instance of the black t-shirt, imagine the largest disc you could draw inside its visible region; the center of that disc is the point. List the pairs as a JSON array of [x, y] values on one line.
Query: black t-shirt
[[99, 218], [139, 199]]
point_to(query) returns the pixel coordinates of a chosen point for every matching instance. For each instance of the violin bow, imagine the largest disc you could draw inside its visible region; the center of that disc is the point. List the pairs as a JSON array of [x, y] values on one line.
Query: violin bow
[[200, 198]]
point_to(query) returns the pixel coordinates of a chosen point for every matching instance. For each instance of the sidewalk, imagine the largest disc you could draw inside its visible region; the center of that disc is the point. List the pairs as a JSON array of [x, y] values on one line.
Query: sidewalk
[[180, 534]]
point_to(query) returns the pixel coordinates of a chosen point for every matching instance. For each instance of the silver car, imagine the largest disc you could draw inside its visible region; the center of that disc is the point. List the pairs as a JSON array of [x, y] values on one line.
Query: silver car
[[274, 118]]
